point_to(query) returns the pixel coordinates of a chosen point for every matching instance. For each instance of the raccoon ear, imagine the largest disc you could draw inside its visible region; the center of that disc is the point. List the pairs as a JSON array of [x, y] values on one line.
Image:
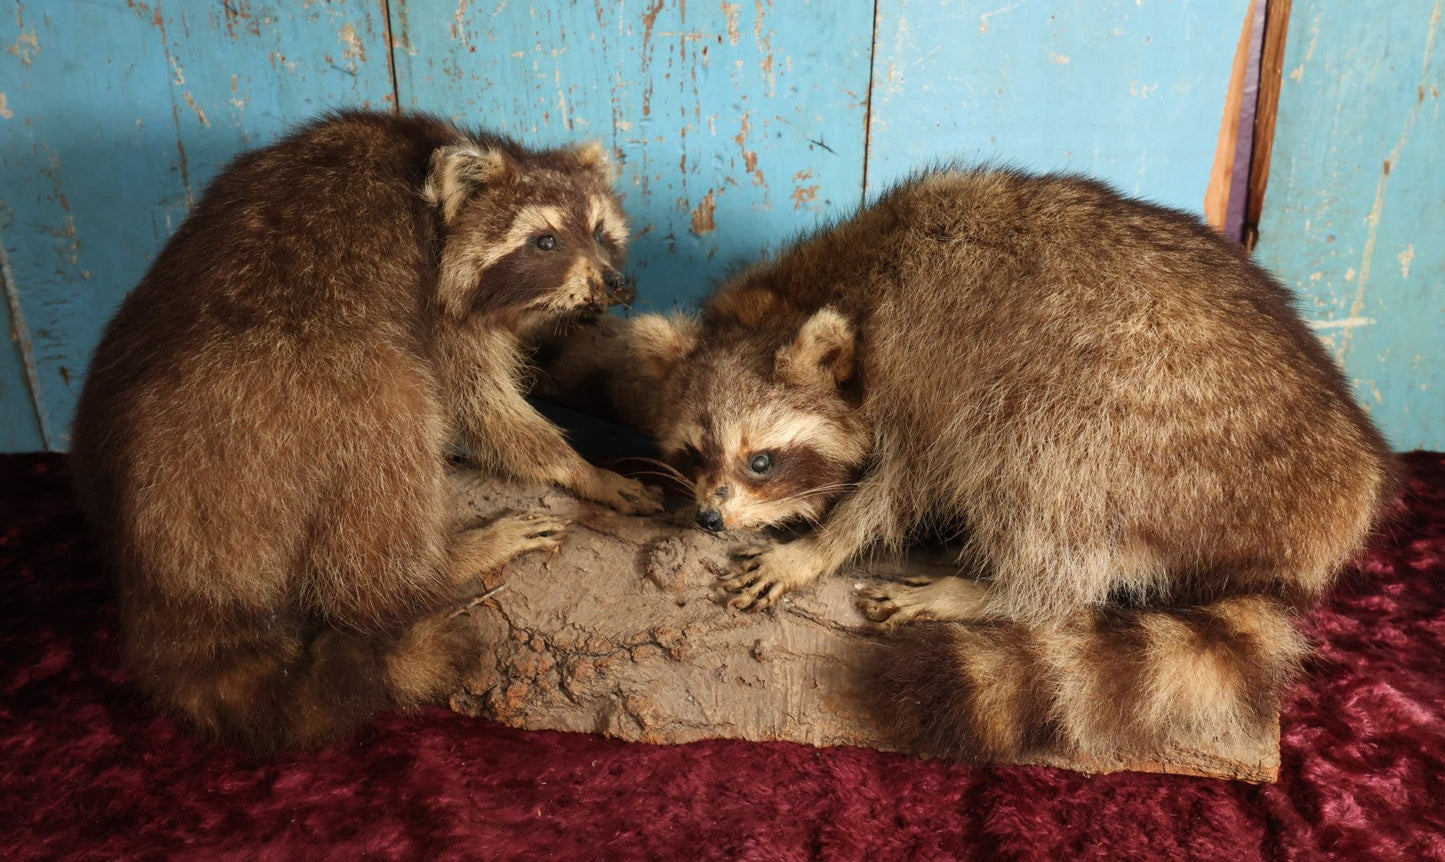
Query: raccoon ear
[[456, 172], [820, 354], [662, 343], [592, 156]]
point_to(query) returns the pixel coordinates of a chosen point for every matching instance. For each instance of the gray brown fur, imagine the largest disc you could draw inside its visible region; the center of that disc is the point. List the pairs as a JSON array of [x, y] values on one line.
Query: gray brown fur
[[1152, 459], [261, 442]]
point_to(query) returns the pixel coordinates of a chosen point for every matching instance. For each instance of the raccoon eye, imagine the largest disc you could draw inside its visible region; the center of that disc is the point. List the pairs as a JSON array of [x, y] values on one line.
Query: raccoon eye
[[599, 235], [545, 242], [760, 464]]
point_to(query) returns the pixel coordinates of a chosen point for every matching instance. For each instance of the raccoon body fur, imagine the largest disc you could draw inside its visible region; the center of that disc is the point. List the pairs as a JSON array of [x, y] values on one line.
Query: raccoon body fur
[[261, 443], [1152, 461]]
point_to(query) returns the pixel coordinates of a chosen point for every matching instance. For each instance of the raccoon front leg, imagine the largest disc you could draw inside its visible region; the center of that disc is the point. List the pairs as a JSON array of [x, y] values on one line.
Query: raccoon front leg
[[510, 438], [864, 518]]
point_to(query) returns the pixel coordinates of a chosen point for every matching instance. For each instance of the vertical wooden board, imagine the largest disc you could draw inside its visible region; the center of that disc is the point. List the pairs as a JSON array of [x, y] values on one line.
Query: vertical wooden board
[[1356, 202], [114, 118], [1130, 91], [19, 423], [734, 125]]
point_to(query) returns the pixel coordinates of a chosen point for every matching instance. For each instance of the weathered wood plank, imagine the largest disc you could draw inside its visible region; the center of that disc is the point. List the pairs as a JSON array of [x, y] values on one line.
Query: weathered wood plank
[[1356, 200], [1227, 150], [1271, 74], [1131, 91], [112, 119], [19, 417], [735, 124]]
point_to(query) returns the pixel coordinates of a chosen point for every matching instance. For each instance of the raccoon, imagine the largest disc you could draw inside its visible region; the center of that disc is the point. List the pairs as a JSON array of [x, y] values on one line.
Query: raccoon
[[1149, 459], [262, 440]]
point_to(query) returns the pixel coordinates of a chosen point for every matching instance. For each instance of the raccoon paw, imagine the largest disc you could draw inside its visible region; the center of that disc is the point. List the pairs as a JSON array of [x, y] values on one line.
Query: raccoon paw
[[528, 531], [628, 496], [947, 598], [493, 546], [880, 606], [765, 573]]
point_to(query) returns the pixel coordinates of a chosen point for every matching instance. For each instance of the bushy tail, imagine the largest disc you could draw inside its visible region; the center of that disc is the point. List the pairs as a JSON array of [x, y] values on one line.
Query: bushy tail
[[268, 690], [1101, 683]]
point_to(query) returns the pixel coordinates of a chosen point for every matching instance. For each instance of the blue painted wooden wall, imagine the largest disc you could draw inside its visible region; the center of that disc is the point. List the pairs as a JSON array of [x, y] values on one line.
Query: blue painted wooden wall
[[1354, 218], [736, 124]]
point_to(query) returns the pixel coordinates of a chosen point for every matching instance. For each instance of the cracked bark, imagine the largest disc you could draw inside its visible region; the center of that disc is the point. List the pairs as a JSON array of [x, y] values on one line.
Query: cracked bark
[[619, 633]]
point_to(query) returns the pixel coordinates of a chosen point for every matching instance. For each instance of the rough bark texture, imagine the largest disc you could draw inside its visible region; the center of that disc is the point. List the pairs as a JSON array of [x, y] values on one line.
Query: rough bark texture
[[620, 633]]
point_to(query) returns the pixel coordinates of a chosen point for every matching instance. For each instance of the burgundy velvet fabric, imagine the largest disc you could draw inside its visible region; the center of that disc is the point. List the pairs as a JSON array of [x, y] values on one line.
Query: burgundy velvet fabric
[[88, 771]]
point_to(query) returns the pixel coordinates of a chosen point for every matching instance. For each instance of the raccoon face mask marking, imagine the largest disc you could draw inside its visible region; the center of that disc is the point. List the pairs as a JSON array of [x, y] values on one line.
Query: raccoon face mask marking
[[540, 238], [764, 433]]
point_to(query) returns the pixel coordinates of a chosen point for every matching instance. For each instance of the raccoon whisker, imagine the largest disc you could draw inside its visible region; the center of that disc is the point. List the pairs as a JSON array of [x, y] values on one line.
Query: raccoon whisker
[[821, 489], [814, 492], [671, 471], [655, 474]]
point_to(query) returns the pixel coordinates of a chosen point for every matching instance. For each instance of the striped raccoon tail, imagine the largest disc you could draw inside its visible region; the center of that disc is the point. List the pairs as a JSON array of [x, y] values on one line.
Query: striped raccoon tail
[[1101, 683]]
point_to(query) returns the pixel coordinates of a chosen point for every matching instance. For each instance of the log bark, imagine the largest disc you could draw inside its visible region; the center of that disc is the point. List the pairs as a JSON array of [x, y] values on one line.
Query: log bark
[[620, 633]]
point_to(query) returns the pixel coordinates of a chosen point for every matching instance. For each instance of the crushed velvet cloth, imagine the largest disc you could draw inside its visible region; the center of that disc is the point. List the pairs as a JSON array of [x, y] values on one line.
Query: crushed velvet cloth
[[89, 771]]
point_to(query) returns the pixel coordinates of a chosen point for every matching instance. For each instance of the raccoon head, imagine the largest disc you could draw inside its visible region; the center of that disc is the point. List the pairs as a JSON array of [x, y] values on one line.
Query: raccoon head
[[767, 433], [526, 236]]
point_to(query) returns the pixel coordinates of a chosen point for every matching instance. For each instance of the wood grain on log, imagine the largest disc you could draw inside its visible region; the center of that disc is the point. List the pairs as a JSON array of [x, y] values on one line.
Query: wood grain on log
[[620, 633]]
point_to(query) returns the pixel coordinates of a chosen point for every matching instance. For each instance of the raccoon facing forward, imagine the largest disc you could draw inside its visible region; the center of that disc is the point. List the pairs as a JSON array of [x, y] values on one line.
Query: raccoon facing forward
[[1152, 461], [261, 441]]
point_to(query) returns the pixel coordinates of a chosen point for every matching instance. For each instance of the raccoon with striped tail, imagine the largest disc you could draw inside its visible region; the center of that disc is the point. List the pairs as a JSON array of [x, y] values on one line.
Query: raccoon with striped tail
[[261, 444], [1152, 461]]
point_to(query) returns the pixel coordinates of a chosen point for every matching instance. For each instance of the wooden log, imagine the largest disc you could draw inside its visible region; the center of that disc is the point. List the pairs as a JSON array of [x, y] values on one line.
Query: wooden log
[[620, 633]]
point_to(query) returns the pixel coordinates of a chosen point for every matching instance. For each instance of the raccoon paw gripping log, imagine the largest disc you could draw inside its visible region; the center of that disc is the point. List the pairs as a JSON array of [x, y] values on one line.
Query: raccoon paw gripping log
[[1151, 461], [261, 442]]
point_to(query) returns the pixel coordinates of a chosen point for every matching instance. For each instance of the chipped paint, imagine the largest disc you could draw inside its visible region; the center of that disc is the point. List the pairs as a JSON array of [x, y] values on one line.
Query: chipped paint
[[354, 49], [983, 19], [5, 112], [750, 157], [1345, 323], [1143, 91], [25, 46], [732, 10], [703, 216], [1406, 257], [200, 114]]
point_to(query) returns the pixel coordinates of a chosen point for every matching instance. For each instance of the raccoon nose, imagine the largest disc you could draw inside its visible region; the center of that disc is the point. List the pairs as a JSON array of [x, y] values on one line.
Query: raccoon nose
[[710, 520], [612, 280]]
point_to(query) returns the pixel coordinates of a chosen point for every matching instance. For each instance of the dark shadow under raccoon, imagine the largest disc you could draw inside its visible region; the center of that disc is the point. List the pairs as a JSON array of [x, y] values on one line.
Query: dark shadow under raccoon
[[261, 441], [1157, 461]]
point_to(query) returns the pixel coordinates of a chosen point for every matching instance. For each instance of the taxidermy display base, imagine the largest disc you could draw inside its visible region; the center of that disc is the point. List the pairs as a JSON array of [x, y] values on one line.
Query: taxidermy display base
[[620, 632]]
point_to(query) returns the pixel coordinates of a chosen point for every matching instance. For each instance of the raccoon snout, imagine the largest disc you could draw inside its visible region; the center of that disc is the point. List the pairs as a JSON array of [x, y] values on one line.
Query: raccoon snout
[[612, 279], [710, 520], [621, 290]]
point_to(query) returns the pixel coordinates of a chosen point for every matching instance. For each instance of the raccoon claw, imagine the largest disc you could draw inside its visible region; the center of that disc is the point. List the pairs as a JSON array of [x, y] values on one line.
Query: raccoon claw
[[949, 598], [530, 531], [628, 496], [749, 558], [752, 593], [879, 607], [765, 573], [488, 548], [747, 565]]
